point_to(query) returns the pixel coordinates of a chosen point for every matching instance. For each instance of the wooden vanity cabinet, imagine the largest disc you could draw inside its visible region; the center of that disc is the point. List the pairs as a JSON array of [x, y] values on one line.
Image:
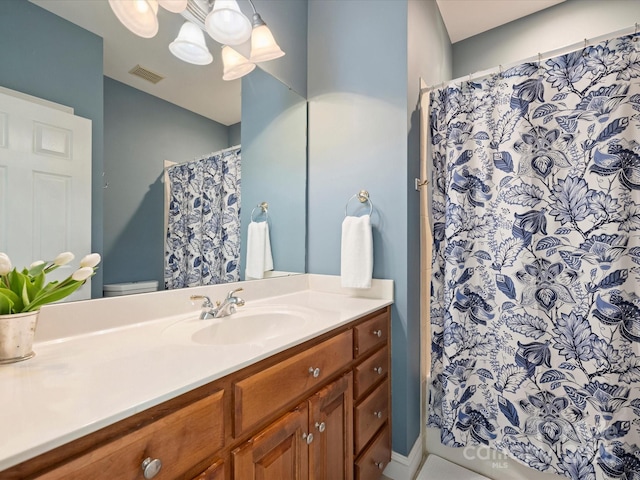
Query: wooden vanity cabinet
[[214, 472], [372, 411], [181, 439], [318, 411], [279, 452], [313, 441]]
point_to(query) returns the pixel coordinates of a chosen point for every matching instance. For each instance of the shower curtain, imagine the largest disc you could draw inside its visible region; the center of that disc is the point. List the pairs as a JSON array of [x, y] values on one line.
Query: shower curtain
[[203, 235], [535, 313]]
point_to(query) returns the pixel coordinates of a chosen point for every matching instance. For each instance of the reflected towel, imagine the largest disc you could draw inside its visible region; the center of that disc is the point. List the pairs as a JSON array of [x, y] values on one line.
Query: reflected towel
[[259, 259], [356, 258]]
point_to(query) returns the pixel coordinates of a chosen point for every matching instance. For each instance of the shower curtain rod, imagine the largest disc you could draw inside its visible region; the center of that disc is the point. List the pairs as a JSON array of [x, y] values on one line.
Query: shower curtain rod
[[537, 58], [207, 155], [217, 152]]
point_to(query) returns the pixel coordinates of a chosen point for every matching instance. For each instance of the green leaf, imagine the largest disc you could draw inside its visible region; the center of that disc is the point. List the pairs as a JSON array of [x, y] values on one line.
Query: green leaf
[[25, 293], [15, 300], [16, 281], [33, 286], [53, 296], [5, 303], [37, 270]]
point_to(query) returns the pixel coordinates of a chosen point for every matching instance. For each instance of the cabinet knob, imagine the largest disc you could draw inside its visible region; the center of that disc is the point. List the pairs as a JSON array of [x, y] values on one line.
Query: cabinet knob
[[308, 437], [377, 414], [315, 372], [380, 465], [151, 467], [377, 333], [321, 426], [378, 370]]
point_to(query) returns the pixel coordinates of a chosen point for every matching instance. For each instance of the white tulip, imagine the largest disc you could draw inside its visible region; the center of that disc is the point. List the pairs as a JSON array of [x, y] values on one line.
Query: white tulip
[[63, 258], [90, 260], [35, 264], [82, 274], [5, 264]]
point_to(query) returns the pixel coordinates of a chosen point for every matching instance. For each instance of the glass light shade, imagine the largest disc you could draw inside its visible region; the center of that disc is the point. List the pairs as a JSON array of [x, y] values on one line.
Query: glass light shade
[[190, 47], [175, 6], [139, 16], [234, 64], [227, 24], [263, 45]]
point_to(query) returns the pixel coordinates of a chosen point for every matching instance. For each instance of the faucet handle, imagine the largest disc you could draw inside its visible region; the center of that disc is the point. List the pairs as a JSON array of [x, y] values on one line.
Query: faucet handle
[[207, 302], [232, 292]]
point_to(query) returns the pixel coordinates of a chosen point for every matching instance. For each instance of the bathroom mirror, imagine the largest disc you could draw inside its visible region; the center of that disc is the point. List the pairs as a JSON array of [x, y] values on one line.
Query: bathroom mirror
[[273, 158]]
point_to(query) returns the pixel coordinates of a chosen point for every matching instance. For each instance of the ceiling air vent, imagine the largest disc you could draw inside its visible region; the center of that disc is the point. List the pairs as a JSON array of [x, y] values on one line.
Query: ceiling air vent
[[146, 74]]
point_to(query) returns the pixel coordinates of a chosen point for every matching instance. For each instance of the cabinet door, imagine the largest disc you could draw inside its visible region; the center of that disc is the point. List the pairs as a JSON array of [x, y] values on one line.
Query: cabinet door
[[279, 452], [330, 421], [214, 472]]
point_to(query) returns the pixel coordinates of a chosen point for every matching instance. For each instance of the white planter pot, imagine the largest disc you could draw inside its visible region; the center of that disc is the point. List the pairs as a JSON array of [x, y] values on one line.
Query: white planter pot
[[16, 336]]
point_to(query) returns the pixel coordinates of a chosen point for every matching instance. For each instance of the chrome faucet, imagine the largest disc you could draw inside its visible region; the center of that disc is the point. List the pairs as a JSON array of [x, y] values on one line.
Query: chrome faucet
[[222, 309]]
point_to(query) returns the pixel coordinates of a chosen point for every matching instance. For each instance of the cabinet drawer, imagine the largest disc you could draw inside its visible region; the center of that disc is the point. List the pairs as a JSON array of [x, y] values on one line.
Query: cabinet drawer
[[370, 371], [180, 440], [371, 333], [370, 414], [262, 394], [375, 458]]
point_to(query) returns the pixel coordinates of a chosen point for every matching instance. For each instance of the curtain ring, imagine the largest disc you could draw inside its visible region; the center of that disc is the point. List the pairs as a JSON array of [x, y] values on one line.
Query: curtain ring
[[584, 51]]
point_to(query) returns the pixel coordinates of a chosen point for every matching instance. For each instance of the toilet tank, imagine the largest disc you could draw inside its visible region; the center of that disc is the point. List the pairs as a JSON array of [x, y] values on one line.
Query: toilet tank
[[129, 288]]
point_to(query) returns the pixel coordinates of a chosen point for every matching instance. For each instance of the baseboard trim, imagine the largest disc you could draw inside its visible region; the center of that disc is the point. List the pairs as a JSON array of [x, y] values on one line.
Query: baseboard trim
[[405, 468]]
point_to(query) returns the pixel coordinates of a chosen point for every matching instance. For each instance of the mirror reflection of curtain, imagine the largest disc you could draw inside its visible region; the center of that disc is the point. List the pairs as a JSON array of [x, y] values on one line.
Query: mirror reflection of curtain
[[203, 225]]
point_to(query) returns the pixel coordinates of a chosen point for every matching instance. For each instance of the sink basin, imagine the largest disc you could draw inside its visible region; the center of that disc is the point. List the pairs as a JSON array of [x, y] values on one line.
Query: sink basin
[[248, 325]]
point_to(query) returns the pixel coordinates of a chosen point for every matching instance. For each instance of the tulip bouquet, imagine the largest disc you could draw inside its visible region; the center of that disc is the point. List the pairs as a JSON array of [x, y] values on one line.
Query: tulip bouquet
[[27, 291]]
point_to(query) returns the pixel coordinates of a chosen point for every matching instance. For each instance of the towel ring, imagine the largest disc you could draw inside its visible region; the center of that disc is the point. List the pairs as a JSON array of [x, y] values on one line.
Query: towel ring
[[264, 207], [363, 197]]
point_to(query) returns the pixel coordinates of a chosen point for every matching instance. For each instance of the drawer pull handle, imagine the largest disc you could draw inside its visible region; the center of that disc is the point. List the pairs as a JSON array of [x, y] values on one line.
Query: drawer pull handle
[[377, 414], [151, 467], [377, 333], [315, 372], [380, 465], [378, 370], [308, 437], [321, 426]]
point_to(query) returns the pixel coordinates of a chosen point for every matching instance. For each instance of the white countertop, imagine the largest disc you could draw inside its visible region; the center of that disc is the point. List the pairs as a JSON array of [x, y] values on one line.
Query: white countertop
[[93, 366]]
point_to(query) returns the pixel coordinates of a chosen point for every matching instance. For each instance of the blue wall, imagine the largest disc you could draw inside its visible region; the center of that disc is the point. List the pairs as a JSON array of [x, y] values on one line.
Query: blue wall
[[274, 166], [562, 25], [141, 132], [357, 92], [365, 61], [58, 61], [287, 19]]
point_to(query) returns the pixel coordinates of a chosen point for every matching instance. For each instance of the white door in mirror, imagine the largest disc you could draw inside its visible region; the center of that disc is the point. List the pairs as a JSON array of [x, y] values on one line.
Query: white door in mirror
[[45, 184]]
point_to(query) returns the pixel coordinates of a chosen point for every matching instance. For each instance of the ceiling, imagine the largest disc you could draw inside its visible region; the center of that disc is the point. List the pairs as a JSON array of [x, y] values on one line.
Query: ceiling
[[201, 88], [198, 88], [466, 18]]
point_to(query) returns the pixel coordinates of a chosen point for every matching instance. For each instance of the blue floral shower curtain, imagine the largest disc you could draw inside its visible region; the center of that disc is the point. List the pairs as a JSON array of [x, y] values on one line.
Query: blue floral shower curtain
[[203, 234], [535, 310]]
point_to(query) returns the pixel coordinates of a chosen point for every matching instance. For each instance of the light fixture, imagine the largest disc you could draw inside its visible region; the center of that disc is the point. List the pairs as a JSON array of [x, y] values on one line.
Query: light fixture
[[221, 19], [263, 45], [174, 6], [234, 64], [139, 16], [190, 46], [227, 24]]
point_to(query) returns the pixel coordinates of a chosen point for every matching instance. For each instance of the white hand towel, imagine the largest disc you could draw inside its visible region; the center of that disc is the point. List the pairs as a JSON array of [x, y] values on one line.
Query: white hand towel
[[259, 259], [356, 258]]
